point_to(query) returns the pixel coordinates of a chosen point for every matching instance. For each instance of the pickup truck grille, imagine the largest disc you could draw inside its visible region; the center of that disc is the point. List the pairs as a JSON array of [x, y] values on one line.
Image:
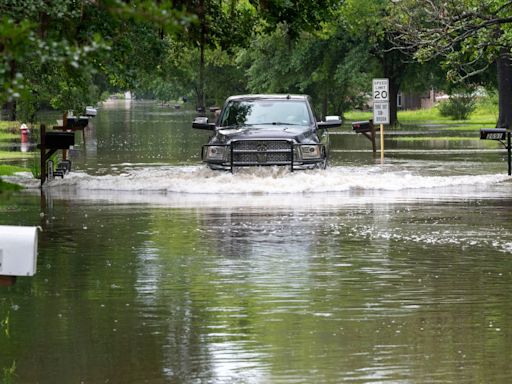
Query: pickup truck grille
[[261, 152]]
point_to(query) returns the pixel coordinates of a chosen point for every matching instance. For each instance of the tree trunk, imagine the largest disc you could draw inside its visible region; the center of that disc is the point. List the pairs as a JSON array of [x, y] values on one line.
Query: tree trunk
[[202, 42], [394, 86], [504, 64], [10, 106], [325, 105], [394, 68], [200, 91]]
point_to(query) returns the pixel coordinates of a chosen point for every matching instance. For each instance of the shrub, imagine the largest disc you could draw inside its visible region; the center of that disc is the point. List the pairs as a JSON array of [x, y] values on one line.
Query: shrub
[[459, 106]]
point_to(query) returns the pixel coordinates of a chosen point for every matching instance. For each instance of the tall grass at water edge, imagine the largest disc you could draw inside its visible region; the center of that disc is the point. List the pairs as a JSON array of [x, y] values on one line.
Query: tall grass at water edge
[[484, 116], [9, 170], [9, 130]]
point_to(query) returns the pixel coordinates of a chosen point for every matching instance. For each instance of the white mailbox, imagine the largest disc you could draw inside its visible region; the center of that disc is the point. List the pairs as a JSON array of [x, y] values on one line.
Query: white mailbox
[[18, 250]]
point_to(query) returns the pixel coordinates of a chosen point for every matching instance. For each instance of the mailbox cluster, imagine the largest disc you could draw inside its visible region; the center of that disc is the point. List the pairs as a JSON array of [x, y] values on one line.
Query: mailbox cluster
[[61, 138], [51, 142]]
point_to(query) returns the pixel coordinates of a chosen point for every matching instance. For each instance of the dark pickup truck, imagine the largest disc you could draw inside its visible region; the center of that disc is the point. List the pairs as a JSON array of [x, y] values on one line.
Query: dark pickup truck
[[266, 130]]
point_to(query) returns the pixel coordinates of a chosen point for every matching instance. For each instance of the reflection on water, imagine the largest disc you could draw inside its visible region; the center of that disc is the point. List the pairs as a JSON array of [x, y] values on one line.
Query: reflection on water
[[168, 273]]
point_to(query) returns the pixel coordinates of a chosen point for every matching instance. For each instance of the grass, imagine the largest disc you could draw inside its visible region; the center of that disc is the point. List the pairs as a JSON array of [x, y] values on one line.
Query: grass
[[9, 126], [9, 130], [8, 136], [9, 155], [9, 170], [430, 138], [485, 115]]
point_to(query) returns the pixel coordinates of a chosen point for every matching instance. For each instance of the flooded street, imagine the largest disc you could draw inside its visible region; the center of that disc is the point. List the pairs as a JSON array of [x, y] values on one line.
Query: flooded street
[[154, 269]]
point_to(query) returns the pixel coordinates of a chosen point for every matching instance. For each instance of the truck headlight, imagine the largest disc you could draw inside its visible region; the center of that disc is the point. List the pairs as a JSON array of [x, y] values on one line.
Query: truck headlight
[[215, 152], [310, 151]]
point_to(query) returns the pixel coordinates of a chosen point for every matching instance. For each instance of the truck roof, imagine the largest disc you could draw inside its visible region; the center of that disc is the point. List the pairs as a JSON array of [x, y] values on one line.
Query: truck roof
[[268, 96]]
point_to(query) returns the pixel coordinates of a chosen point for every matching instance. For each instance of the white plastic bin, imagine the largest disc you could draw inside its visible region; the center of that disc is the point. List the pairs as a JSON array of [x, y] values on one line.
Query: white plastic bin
[[18, 250]]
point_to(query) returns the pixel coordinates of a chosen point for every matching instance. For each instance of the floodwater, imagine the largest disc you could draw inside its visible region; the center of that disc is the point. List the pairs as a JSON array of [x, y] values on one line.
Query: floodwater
[[154, 269]]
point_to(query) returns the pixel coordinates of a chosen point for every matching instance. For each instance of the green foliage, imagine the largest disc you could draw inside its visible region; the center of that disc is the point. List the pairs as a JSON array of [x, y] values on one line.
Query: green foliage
[[58, 52], [365, 17], [295, 16], [38, 39], [488, 105], [15, 41], [70, 53], [10, 155], [35, 164], [9, 126], [9, 374], [466, 35], [9, 170], [460, 105], [200, 61], [8, 136], [328, 66]]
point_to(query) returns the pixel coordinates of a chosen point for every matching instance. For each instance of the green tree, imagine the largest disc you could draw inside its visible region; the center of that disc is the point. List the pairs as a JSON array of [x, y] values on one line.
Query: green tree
[[328, 65], [222, 24], [52, 52], [295, 16], [371, 21], [468, 36]]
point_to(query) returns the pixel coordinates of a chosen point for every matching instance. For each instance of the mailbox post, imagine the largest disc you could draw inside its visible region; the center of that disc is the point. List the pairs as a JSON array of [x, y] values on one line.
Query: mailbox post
[[53, 141], [367, 129], [499, 134]]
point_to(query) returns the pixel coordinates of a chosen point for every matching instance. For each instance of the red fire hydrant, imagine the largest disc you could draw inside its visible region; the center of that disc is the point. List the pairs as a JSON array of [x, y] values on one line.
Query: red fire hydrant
[[24, 133]]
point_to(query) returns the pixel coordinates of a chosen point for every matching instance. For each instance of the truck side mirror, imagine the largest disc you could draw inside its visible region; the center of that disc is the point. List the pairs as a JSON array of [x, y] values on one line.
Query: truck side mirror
[[330, 122], [202, 123]]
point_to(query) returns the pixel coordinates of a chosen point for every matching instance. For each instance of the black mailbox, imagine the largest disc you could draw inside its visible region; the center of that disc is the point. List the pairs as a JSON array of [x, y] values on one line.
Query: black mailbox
[[77, 122], [493, 134], [362, 126], [59, 140]]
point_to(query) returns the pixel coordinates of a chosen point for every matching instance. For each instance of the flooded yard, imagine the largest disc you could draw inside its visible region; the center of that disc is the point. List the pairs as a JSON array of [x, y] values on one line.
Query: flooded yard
[[154, 269]]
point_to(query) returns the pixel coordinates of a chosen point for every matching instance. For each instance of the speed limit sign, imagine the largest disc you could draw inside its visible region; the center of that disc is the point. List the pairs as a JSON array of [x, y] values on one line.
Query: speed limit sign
[[380, 94], [380, 89]]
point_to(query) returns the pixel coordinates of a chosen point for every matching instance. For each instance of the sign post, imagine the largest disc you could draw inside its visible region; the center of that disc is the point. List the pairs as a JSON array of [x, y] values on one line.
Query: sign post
[[380, 94]]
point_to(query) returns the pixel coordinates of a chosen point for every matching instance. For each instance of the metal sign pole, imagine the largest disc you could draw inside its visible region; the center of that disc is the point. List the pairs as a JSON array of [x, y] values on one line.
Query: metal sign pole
[[382, 142], [42, 132]]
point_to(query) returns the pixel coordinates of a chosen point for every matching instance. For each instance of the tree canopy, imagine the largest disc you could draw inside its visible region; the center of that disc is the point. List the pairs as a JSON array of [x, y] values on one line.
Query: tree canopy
[[59, 52], [469, 37], [65, 54]]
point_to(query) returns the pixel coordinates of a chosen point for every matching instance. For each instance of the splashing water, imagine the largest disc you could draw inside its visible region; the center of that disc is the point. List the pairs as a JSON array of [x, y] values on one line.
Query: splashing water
[[271, 180]]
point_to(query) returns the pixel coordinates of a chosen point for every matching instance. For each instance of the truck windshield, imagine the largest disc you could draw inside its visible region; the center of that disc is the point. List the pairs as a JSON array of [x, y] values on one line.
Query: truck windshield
[[265, 113]]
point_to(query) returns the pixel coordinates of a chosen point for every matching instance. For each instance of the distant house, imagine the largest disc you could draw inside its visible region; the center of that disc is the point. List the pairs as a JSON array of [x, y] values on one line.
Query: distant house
[[418, 100], [415, 100]]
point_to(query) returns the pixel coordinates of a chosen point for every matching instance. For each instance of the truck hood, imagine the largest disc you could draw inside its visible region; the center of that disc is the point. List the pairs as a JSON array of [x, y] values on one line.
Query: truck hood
[[304, 135]]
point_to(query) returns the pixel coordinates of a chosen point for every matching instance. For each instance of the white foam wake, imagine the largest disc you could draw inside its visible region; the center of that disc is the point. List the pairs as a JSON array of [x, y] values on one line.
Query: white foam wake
[[200, 180]]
